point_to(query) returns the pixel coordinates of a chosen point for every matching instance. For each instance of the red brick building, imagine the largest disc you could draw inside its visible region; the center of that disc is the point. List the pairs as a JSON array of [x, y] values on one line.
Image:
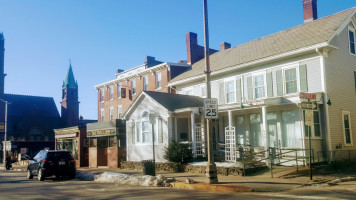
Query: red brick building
[[114, 97]]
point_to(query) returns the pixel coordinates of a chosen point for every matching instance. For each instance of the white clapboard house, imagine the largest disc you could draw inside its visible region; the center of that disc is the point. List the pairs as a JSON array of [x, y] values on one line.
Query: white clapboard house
[[263, 88], [263, 85]]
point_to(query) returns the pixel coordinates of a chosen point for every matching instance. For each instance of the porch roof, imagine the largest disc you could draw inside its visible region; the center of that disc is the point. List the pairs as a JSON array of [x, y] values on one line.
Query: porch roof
[[175, 101]]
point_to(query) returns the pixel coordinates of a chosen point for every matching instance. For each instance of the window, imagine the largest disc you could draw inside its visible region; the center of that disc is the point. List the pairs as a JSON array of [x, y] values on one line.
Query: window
[[146, 132], [111, 113], [352, 41], [259, 86], [230, 91], [133, 87], [291, 80], [189, 92], [102, 115], [158, 80], [315, 129], [111, 92], [102, 95], [347, 127], [119, 90], [203, 91], [145, 83], [119, 111]]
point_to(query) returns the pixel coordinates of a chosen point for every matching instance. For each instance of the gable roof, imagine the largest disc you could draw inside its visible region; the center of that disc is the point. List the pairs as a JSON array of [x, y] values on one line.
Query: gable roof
[[305, 35], [22, 105], [169, 101], [175, 101]]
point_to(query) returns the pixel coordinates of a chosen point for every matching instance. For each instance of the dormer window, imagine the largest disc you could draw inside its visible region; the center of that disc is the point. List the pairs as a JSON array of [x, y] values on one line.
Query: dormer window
[[352, 41]]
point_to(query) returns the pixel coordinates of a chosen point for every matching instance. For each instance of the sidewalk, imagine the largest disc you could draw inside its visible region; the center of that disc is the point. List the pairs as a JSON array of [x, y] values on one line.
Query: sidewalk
[[284, 179]]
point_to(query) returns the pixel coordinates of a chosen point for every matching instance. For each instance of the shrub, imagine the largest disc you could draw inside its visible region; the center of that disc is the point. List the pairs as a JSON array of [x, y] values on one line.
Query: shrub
[[178, 152]]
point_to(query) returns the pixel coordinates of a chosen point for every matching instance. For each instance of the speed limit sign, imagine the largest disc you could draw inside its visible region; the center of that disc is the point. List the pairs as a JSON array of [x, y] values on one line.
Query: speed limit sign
[[211, 108]]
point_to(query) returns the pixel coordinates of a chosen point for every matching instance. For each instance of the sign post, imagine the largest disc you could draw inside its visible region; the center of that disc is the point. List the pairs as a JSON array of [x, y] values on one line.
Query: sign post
[[152, 118], [308, 108]]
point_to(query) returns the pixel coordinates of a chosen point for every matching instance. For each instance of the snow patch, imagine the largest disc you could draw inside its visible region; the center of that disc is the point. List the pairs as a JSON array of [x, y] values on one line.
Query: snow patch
[[218, 164], [112, 177]]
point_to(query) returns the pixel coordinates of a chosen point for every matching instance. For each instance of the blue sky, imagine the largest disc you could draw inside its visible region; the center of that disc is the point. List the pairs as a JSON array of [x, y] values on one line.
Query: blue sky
[[100, 36]]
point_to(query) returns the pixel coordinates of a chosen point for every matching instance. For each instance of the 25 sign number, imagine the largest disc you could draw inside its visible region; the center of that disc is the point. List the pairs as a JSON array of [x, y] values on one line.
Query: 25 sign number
[[211, 112], [211, 108]]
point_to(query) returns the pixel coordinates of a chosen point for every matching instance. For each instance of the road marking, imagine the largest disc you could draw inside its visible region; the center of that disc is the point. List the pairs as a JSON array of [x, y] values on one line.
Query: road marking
[[99, 190]]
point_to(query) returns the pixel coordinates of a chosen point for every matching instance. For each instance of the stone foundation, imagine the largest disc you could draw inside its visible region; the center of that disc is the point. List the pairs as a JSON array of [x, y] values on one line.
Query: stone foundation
[[176, 167]]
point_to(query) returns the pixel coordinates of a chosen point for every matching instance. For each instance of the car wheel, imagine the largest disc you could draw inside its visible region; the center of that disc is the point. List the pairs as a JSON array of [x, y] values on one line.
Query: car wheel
[[40, 175], [29, 175], [72, 176]]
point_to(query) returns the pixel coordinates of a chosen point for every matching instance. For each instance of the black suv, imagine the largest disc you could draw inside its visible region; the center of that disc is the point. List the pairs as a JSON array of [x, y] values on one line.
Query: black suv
[[51, 162]]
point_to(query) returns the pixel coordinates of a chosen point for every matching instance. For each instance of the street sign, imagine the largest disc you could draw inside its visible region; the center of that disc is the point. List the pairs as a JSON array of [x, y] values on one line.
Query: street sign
[[211, 108], [309, 118], [304, 95], [8, 145], [307, 105]]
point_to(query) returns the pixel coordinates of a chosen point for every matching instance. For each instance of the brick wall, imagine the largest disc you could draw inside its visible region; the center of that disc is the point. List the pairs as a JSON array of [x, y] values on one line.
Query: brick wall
[[126, 102]]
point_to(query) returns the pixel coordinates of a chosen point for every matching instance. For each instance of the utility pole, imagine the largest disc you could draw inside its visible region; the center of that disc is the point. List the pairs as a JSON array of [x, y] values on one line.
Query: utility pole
[[211, 172], [5, 135]]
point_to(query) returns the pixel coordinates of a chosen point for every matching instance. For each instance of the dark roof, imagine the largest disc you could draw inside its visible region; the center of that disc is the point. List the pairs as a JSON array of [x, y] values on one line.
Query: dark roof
[[21, 105], [298, 37], [175, 101]]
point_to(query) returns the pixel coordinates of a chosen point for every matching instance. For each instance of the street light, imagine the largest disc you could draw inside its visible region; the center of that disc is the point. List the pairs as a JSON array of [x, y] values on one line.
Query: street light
[[5, 135]]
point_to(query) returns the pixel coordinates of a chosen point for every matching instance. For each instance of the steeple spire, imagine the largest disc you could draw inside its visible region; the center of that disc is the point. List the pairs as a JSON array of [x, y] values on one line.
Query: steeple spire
[[70, 82]]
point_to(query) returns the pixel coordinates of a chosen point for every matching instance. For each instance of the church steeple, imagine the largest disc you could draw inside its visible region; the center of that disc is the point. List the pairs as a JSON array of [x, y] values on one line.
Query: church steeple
[[70, 82], [2, 58], [70, 103]]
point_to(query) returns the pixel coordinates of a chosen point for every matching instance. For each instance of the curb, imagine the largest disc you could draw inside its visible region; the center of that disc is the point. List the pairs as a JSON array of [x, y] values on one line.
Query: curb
[[211, 188]]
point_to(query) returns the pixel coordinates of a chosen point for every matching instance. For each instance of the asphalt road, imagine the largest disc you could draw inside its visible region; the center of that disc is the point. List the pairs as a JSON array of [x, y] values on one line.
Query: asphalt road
[[14, 185]]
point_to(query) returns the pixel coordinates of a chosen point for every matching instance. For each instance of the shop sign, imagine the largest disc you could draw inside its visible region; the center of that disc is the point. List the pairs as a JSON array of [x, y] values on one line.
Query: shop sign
[[66, 135], [304, 95], [101, 132]]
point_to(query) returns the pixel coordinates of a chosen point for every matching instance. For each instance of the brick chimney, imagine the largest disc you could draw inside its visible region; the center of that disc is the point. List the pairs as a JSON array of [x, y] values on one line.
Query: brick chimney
[[224, 46], [310, 10], [195, 52]]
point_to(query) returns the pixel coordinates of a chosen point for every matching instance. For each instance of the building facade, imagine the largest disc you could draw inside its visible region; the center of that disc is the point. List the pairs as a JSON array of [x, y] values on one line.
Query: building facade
[[114, 97], [264, 87]]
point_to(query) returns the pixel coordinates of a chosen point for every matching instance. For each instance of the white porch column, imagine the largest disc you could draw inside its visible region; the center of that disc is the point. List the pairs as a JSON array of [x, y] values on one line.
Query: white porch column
[[192, 120], [230, 117], [264, 127]]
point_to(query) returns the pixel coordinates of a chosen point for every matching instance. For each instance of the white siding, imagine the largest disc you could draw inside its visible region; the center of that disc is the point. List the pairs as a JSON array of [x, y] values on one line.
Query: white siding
[[137, 151], [340, 85]]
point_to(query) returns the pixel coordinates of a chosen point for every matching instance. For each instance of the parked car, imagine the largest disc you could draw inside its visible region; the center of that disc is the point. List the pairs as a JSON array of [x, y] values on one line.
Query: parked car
[[52, 162]]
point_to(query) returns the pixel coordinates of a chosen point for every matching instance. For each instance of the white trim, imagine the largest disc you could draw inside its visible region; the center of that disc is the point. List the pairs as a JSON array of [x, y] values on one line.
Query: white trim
[[350, 29], [344, 112]]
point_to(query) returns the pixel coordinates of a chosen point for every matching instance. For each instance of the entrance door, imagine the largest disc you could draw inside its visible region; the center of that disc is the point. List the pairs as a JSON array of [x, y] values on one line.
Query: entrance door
[[255, 134], [241, 129]]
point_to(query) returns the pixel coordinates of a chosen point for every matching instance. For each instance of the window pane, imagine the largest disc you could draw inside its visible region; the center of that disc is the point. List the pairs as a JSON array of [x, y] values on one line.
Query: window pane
[[352, 42], [291, 87], [145, 126], [351, 36], [230, 92], [259, 81], [291, 75], [348, 136], [316, 130], [260, 92], [346, 121]]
